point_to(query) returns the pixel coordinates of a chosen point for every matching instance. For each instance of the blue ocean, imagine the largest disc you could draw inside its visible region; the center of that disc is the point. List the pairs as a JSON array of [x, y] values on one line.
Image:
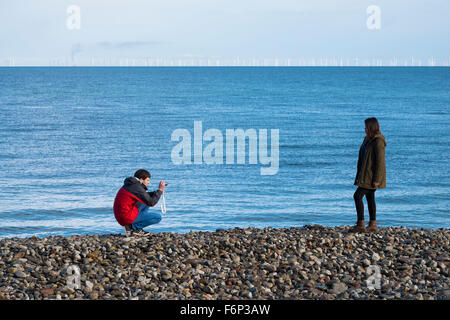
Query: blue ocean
[[70, 136]]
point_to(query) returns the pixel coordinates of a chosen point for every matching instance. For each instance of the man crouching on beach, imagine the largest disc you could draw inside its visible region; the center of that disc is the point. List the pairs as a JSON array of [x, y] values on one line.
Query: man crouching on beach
[[132, 202]]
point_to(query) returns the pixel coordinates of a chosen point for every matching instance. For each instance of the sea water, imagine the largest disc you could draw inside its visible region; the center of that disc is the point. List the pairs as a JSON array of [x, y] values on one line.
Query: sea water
[[70, 136]]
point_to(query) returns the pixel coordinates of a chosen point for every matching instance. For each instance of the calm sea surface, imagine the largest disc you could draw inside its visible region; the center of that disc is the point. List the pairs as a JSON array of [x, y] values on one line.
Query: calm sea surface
[[69, 137]]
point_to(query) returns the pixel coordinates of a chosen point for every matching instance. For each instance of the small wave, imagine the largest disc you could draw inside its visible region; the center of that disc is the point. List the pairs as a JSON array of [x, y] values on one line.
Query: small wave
[[309, 164], [37, 107]]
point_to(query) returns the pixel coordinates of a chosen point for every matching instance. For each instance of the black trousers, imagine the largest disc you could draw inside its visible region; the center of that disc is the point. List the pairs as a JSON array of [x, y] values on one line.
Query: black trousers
[[370, 197]]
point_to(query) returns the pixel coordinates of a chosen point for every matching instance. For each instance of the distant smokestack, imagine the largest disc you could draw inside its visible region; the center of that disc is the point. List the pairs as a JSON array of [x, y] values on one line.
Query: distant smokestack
[[76, 48]]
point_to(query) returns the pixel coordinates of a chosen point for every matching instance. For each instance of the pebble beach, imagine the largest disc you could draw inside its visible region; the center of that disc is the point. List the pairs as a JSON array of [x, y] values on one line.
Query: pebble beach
[[310, 262]]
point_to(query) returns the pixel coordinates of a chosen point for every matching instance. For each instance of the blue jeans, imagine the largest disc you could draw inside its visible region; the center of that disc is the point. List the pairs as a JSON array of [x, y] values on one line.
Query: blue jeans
[[145, 217]]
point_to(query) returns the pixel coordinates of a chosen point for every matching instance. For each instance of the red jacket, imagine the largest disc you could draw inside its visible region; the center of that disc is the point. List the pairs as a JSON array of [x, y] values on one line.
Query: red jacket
[[126, 202]]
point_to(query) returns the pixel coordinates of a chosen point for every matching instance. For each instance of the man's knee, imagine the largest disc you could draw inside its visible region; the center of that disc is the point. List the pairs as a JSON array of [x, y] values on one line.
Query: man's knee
[[155, 219]]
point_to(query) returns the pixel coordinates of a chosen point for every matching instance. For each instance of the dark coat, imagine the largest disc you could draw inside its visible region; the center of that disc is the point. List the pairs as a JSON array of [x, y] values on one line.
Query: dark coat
[[371, 165]]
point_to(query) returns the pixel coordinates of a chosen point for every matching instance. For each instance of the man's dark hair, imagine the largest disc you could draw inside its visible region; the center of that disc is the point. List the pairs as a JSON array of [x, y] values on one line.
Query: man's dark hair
[[142, 174]]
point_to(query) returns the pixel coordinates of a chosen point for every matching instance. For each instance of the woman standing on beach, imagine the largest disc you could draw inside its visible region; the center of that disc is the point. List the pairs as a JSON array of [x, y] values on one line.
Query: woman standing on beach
[[370, 174]]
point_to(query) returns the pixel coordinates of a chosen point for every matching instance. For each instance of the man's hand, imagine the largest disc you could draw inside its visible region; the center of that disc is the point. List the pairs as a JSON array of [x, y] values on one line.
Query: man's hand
[[376, 184], [162, 184]]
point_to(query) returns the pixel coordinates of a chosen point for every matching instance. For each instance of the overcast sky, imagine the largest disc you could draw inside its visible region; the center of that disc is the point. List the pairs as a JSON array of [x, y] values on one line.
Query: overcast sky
[[32, 29]]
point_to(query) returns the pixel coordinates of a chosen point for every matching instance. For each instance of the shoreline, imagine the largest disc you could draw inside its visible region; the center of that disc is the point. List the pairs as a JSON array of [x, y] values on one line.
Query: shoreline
[[309, 262]]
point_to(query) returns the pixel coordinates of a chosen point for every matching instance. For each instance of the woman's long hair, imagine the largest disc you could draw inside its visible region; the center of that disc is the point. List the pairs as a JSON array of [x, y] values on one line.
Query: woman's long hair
[[372, 126]]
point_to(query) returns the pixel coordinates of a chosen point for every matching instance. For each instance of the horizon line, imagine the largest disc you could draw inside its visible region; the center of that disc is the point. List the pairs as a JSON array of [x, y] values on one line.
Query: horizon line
[[223, 62]]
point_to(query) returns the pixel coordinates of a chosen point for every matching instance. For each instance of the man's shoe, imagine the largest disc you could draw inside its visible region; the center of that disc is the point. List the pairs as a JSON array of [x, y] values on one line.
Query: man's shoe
[[359, 227], [140, 233], [128, 230], [372, 227]]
